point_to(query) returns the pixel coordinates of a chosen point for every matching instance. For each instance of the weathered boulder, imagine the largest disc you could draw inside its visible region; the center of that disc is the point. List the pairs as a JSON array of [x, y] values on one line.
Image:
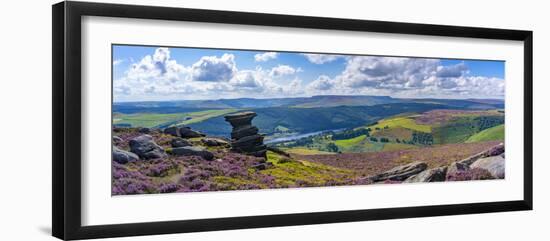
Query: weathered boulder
[[456, 169], [146, 148], [244, 136], [401, 173], [172, 130], [117, 139], [494, 164], [179, 142], [122, 156], [214, 142], [430, 175], [262, 165], [144, 130], [186, 132], [193, 151], [493, 151]]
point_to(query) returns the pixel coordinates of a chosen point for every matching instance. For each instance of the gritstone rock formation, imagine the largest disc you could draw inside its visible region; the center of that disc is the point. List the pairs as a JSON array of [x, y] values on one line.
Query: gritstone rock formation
[[245, 137]]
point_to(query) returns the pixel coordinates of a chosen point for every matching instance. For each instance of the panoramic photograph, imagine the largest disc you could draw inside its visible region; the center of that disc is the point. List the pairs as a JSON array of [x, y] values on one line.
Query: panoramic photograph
[[198, 120]]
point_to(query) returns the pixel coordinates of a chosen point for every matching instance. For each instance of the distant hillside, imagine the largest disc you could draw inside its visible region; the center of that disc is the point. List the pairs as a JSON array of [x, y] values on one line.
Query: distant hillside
[[491, 134], [304, 120], [299, 102]]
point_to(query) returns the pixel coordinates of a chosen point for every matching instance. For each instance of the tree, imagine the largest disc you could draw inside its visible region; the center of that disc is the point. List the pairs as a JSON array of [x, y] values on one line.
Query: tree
[[331, 147]]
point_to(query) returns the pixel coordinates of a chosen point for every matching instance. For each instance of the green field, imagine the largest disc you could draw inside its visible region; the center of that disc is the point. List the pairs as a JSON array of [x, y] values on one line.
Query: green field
[[155, 120], [404, 122], [491, 134]]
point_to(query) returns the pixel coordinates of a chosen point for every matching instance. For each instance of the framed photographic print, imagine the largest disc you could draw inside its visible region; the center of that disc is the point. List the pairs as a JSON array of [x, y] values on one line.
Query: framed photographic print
[[171, 120]]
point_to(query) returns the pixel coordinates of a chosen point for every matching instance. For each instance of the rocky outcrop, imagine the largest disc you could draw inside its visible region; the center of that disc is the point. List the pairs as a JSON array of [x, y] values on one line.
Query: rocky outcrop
[[186, 132], [179, 142], [123, 157], [172, 130], [144, 130], [430, 175], [146, 148], [117, 139], [493, 151], [244, 136], [182, 131], [210, 141], [400, 173], [493, 164], [456, 169], [193, 151]]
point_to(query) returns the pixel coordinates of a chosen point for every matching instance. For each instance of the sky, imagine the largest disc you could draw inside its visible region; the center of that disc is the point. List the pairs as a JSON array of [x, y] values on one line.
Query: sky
[[144, 73]]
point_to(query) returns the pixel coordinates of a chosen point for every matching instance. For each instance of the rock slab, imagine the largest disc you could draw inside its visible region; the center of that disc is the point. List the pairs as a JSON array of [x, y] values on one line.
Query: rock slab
[[401, 173], [431, 175], [494, 164], [193, 151]]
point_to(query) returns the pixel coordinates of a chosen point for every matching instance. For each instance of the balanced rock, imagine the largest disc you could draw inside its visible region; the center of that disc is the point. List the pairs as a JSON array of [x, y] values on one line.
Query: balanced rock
[[179, 142], [244, 136], [401, 173], [494, 164], [193, 151], [431, 175], [146, 148], [122, 156]]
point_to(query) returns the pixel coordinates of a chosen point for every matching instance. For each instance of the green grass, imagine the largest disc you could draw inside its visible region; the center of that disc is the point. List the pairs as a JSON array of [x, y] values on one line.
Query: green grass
[[200, 116], [146, 119], [289, 171], [491, 134], [401, 122], [305, 151], [154, 120], [346, 143]]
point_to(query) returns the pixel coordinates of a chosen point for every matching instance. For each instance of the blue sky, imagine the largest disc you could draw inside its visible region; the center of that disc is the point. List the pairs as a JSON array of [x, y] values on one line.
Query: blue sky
[[143, 73]]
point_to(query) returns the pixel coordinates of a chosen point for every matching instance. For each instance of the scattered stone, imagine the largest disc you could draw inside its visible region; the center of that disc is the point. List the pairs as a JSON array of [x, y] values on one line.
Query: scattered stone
[[186, 132], [172, 130], [193, 151], [494, 164], [401, 173], [262, 165], [123, 157], [179, 142], [144, 130], [146, 148], [214, 142], [431, 175], [244, 136], [117, 139]]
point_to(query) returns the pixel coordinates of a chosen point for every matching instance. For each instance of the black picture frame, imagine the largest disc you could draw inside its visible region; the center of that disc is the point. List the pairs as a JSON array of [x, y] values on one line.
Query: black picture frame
[[66, 75]]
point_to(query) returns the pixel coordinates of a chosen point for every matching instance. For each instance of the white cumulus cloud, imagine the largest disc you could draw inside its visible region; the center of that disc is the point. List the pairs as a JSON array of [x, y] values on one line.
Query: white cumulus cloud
[[212, 68], [321, 58], [265, 56]]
